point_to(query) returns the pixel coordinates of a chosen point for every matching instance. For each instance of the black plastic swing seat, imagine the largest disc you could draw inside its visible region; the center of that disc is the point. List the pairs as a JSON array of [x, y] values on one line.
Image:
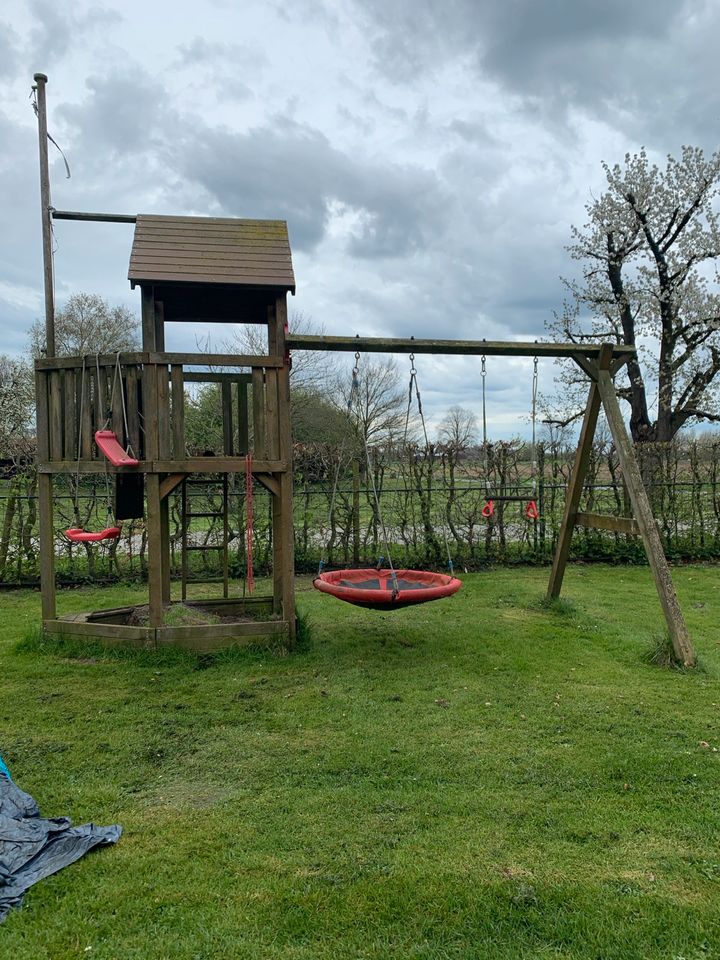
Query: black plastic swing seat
[[88, 536], [379, 590]]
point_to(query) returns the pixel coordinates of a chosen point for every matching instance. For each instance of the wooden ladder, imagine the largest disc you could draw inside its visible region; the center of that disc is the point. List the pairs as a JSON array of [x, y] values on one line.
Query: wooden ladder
[[188, 516]]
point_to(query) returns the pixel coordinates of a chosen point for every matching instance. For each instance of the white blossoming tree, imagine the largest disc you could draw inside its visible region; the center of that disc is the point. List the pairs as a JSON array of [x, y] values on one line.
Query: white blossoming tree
[[649, 253]]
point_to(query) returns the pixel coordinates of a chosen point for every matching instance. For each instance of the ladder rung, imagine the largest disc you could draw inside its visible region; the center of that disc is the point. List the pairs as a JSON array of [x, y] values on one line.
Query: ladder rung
[[191, 516], [206, 546]]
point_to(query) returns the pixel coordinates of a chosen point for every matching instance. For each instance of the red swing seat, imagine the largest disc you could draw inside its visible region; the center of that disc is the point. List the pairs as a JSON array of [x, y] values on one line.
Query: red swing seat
[[376, 589], [108, 445], [87, 536]]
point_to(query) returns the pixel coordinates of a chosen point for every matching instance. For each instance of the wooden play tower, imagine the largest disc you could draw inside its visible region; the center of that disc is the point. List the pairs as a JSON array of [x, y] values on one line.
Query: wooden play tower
[[189, 270]]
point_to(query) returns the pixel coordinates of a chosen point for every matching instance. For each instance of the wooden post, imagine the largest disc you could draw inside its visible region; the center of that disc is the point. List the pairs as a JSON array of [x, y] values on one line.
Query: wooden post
[[572, 499], [40, 81], [682, 644], [45, 502], [285, 526], [156, 579]]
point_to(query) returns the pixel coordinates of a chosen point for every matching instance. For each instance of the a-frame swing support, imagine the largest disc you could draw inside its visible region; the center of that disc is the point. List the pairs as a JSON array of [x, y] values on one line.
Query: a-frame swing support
[[600, 362]]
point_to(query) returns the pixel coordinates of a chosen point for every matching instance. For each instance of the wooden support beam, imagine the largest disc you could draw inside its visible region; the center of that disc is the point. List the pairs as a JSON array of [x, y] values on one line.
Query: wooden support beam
[[285, 527], [572, 499], [95, 217], [599, 521], [460, 347], [168, 484], [682, 644], [269, 482]]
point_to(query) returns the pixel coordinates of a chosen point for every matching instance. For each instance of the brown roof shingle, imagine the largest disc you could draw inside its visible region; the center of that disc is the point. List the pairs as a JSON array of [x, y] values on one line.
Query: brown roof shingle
[[252, 253]]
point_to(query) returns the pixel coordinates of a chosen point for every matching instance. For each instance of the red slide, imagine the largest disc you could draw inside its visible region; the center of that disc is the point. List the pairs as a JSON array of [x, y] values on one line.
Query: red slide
[[108, 445]]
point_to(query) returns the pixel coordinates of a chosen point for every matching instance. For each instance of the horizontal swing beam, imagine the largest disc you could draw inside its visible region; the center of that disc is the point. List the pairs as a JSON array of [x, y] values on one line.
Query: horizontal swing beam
[[487, 348], [94, 217]]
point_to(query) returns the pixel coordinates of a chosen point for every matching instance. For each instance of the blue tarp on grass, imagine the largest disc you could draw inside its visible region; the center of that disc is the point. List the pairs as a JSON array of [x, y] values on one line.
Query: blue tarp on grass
[[32, 848]]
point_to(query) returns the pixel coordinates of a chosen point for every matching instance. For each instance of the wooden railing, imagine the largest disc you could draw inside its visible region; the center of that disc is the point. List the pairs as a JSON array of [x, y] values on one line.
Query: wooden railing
[[141, 397]]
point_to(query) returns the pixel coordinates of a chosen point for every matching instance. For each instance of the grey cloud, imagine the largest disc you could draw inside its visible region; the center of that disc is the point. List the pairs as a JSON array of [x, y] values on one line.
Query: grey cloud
[[292, 171], [9, 51], [608, 58], [58, 27]]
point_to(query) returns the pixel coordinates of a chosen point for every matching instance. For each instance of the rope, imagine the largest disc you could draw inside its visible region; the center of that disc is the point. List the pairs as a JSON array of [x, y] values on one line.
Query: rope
[[249, 523]]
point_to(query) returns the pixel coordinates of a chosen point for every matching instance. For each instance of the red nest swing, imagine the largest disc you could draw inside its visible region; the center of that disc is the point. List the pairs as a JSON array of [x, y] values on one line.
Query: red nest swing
[[385, 590]]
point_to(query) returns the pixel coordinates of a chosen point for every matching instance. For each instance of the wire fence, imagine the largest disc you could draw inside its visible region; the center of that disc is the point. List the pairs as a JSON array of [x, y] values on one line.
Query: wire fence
[[430, 501]]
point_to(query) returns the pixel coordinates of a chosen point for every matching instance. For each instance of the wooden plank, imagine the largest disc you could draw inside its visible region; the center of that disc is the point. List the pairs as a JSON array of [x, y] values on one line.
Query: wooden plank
[[150, 412], [42, 414], [460, 347], [177, 389], [682, 644], [216, 636], [599, 521], [215, 359], [109, 633], [56, 416], [227, 418], [250, 278], [243, 418], [159, 325], [234, 606], [183, 242], [208, 256], [131, 401], [47, 546], [577, 478], [148, 316], [86, 421], [76, 363], [210, 376], [217, 465], [190, 465], [272, 426], [163, 414], [70, 415], [258, 396]]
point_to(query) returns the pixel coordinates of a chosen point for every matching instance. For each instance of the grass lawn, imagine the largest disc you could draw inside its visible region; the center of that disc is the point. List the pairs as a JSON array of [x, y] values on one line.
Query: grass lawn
[[479, 777]]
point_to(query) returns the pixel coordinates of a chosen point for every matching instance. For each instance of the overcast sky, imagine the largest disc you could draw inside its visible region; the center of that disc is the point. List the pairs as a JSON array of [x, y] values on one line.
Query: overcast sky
[[429, 157]]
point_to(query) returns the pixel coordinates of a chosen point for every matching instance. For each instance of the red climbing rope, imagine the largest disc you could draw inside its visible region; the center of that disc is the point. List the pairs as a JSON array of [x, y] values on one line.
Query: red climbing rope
[[249, 578]]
